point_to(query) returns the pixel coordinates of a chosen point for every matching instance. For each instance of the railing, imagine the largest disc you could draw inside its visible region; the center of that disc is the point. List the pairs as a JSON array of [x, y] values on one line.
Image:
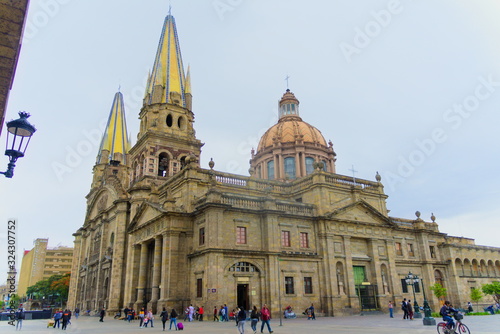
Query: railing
[[297, 209], [241, 202], [345, 180], [231, 180]]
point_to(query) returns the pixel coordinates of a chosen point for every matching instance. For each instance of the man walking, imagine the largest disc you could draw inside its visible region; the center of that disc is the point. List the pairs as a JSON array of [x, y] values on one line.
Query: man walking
[[242, 317], [102, 314]]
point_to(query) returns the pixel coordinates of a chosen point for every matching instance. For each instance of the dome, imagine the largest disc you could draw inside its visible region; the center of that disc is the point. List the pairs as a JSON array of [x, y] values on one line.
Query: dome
[[291, 129]]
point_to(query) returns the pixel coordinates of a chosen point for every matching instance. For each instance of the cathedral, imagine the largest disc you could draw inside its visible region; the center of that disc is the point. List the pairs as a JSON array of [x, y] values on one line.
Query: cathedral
[[162, 231]]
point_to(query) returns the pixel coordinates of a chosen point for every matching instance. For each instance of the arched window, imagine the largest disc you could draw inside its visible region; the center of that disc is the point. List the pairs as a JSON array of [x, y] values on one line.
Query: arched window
[[290, 167], [163, 163], [243, 267], [325, 169], [270, 170], [309, 165]]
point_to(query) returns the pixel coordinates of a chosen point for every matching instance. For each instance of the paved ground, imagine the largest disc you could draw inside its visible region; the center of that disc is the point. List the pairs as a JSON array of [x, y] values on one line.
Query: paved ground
[[339, 325]]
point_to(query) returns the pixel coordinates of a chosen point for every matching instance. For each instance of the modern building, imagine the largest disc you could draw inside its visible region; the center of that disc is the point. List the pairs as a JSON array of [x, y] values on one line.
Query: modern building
[[161, 230], [42, 262]]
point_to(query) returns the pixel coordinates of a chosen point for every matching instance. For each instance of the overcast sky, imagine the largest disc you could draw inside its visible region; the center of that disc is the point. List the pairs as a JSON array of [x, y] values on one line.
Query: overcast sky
[[410, 89]]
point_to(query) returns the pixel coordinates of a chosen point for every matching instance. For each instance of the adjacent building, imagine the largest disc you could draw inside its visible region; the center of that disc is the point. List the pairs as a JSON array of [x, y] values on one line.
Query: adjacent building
[[41, 262], [162, 231]]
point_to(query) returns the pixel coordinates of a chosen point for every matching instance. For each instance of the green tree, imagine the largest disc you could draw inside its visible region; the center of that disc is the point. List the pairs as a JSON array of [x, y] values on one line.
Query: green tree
[[476, 295], [439, 291], [492, 289], [55, 287]]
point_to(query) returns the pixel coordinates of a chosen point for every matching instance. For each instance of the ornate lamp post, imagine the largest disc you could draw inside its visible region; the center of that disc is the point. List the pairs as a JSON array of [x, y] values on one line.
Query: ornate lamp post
[[22, 131], [412, 280], [428, 320]]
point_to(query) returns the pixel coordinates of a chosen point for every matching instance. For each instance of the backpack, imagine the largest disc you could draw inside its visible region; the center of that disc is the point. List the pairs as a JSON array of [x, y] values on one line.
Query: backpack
[[20, 315]]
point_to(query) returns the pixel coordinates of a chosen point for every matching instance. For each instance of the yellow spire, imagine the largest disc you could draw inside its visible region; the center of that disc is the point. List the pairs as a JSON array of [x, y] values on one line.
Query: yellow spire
[[168, 82], [115, 139]]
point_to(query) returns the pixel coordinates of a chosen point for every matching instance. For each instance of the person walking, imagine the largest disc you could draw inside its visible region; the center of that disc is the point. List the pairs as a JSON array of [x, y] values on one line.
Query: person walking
[[101, 315], [173, 319], [266, 318], [164, 317], [313, 315], [57, 319], [190, 312], [20, 316], [242, 317], [201, 311], [254, 317], [226, 313], [410, 309], [216, 314], [77, 312], [391, 309], [142, 314], [65, 319], [469, 307], [404, 308]]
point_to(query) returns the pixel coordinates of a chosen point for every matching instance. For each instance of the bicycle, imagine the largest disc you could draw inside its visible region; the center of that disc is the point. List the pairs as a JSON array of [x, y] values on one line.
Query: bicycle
[[459, 327]]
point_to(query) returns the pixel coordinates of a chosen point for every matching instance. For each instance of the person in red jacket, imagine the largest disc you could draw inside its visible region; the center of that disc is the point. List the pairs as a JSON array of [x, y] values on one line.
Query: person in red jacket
[[201, 311], [265, 315]]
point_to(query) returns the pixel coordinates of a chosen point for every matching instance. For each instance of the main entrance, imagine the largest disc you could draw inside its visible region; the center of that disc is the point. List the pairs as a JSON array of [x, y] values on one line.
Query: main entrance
[[367, 297], [242, 296]]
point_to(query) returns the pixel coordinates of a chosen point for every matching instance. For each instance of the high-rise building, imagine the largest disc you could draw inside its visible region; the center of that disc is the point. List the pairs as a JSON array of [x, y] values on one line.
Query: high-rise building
[[42, 262], [161, 231]]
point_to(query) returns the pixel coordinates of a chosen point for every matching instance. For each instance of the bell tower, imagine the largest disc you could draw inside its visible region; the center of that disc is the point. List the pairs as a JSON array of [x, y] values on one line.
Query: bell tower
[[166, 136]]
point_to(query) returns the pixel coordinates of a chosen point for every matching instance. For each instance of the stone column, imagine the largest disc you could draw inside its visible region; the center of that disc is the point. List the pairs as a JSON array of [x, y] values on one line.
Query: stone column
[[349, 275], [155, 295], [164, 284], [142, 276]]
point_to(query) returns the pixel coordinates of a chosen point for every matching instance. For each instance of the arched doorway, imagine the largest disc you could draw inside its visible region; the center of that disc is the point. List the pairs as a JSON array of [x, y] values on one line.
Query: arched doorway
[[247, 280]]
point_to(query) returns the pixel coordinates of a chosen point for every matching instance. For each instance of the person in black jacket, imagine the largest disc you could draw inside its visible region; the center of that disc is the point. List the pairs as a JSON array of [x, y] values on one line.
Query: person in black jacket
[[242, 317], [101, 315], [164, 317], [173, 318], [65, 318]]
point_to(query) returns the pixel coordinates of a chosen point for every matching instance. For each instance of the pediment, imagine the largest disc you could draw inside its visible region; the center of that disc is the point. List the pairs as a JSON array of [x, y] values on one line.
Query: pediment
[[360, 211], [145, 213]]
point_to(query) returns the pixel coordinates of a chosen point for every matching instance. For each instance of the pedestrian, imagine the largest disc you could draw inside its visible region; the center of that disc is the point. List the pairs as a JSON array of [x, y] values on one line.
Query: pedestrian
[[125, 313], [313, 316], [216, 313], [186, 313], [410, 309], [148, 318], [242, 317], [266, 318], [77, 312], [164, 317], [391, 309], [226, 313], [20, 316], [190, 312], [404, 308], [469, 307], [101, 315], [235, 315], [201, 311], [141, 317], [173, 319], [57, 318], [254, 316], [222, 313], [65, 319]]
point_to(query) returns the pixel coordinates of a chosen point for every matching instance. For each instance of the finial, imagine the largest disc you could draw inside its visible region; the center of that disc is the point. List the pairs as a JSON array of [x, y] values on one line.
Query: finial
[[119, 87], [286, 79], [353, 174], [170, 8], [378, 177], [433, 218], [417, 213], [211, 163]]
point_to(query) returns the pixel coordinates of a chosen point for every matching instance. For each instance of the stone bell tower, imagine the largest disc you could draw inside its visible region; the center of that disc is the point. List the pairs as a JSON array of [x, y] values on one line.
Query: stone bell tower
[[166, 136]]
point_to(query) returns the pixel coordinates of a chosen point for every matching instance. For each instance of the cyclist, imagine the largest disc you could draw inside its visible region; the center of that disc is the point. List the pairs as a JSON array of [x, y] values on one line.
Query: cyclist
[[446, 311]]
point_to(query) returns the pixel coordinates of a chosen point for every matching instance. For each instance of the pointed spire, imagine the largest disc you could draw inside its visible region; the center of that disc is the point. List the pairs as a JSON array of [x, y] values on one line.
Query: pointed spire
[[167, 83], [115, 142]]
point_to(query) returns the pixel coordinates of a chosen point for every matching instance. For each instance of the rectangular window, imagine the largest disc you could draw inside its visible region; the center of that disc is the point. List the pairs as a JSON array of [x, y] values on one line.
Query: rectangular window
[[199, 288], [241, 235], [289, 290], [404, 286], [202, 236], [410, 250], [433, 251], [308, 287], [399, 249], [285, 238], [304, 240], [416, 286]]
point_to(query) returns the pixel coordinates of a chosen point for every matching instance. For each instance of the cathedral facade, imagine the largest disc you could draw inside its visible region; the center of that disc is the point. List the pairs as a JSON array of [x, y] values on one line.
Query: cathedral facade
[[161, 231]]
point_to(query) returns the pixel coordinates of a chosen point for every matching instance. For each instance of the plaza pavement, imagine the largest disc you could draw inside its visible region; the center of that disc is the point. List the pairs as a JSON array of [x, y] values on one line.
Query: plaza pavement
[[375, 324]]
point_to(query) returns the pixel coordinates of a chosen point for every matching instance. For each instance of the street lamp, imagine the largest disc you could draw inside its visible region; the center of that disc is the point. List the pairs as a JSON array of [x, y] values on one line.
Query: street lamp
[[22, 131], [428, 320], [412, 280]]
